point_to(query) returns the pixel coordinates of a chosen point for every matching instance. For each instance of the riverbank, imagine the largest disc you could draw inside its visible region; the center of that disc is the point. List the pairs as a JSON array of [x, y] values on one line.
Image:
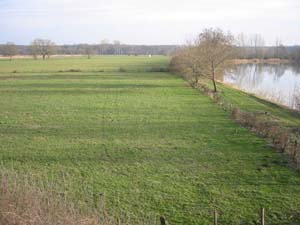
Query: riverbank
[[255, 103], [279, 125]]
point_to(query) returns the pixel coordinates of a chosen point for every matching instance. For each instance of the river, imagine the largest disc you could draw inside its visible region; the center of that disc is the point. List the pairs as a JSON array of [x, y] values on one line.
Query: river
[[278, 83]]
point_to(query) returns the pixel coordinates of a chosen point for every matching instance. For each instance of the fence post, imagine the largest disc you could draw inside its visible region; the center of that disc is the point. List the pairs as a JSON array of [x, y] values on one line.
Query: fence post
[[215, 217], [262, 216], [162, 221]]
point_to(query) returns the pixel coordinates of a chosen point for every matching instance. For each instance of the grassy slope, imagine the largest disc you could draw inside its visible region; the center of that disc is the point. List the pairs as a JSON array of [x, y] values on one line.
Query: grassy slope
[[146, 142], [252, 103]]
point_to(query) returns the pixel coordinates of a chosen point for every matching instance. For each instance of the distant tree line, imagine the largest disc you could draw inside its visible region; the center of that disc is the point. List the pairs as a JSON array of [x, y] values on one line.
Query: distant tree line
[[45, 48], [254, 47], [246, 47]]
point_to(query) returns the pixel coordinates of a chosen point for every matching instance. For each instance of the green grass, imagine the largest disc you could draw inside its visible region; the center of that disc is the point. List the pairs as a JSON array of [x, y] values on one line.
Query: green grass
[[146, 143], [95, 64], [252, 103]]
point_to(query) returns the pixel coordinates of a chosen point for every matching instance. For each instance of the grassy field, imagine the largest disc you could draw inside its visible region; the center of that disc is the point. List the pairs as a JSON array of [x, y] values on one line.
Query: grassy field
[[144, 143], [95, 64]]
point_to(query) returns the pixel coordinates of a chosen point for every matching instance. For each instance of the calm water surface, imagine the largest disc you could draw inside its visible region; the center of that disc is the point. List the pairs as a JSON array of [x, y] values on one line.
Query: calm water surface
[[279, 83]]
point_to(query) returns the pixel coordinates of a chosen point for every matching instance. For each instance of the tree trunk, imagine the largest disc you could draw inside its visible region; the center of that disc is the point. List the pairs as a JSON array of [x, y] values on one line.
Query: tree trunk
[[215, 86], [213, 76], [194, 74], [44, 56]]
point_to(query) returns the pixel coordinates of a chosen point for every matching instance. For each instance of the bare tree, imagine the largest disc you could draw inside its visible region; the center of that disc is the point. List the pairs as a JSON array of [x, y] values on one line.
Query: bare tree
[[214, 48], [43, 47], [258, 43], [34, 49], [49, 48], [186, 61], [282, 51], [207, 56], [88, 50], [276, 48], [241, 44], [10, 50], [117, 47]]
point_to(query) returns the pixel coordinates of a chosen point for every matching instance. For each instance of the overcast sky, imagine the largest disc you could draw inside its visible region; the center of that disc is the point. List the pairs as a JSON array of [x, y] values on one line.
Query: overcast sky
[[145, 22]]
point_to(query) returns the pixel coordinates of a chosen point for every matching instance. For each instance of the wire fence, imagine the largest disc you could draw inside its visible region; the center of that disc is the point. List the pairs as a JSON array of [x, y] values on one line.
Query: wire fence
[[261, 219]]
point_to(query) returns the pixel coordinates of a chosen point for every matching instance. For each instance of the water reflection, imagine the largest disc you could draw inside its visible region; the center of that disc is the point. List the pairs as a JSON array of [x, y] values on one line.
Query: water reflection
[[276, 82]]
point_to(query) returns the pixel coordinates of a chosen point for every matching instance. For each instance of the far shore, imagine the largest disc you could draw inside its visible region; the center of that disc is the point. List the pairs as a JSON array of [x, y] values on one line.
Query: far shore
[[261, 61]]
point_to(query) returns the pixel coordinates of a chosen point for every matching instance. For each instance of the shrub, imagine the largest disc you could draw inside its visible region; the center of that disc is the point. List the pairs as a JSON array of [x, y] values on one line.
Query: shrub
[[70, 70], [236, 113], [74, 70], [158, 69]]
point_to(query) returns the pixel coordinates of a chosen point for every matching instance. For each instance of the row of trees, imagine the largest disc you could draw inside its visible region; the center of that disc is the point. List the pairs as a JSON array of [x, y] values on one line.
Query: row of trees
[[115, 48], [42, 47], [206, 56], [209, 53], [254, 46], [45, 48], [9, 50], [247, 47], [38, 47]]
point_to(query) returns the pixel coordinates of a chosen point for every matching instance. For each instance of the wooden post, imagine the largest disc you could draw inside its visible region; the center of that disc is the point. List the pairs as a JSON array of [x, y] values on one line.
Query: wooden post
[[163, 221], [215, 217], [262, 216]]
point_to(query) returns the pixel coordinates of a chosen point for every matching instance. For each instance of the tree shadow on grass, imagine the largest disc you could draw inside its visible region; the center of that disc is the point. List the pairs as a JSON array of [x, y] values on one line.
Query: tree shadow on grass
[[89, 76], [83, 85], [74, 92]]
